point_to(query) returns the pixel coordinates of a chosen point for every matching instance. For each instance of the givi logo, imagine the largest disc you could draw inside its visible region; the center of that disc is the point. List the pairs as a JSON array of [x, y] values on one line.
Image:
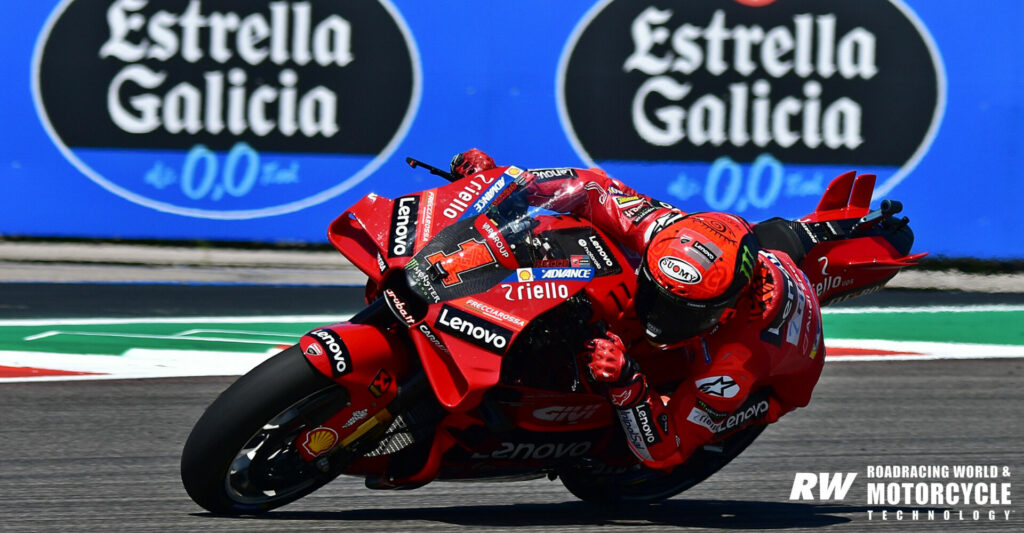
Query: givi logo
[[744, 104], [226, 108]]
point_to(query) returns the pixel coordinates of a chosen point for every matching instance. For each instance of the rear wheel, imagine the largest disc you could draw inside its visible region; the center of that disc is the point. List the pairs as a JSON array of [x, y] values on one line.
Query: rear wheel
[[242, 455], [638, 484]]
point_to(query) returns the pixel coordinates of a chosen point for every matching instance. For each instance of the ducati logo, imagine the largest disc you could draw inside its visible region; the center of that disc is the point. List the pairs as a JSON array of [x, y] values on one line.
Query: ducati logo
[[328, 342], [314, 350]]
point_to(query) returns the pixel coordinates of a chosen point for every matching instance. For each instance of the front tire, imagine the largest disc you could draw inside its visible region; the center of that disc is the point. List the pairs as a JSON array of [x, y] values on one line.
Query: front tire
[[242, 456]]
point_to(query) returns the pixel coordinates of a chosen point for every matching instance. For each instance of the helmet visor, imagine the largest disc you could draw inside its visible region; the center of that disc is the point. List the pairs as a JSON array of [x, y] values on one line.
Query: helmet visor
[[669, 319]]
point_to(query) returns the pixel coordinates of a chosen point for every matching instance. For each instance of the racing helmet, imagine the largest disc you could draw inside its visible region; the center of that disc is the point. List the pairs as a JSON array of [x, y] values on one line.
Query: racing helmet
[[692, 273], [470, 162]]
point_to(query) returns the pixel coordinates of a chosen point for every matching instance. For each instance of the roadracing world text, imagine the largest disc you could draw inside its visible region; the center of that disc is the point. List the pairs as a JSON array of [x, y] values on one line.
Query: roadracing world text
[[918, 492]]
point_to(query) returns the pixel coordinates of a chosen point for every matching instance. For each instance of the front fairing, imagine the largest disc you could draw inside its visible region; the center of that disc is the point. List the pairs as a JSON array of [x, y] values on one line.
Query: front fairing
[[478, 265], [482, 292]]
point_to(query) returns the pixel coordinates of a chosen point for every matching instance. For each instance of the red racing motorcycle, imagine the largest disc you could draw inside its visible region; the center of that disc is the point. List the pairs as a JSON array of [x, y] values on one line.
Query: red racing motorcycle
[[465, 363]]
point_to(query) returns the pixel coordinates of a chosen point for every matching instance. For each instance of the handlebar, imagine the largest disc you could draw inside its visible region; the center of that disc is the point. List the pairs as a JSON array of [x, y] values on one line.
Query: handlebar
[[884, 214], [433, 170]]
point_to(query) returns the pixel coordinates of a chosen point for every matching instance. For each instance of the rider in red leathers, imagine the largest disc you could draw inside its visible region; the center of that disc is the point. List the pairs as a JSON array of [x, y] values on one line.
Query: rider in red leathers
[[744, 320]]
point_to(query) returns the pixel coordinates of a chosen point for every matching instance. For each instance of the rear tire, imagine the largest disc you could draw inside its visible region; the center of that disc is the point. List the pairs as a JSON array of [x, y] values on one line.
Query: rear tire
[[642, 485], [242, 456]]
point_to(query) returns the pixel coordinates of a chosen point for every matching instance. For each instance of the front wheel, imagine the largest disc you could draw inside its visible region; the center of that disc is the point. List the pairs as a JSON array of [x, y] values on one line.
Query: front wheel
[[242, 455], [642, 485]]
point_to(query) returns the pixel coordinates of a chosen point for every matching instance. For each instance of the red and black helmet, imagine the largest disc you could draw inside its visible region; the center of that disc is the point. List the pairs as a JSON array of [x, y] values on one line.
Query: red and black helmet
[[693, 271], [470, 162]]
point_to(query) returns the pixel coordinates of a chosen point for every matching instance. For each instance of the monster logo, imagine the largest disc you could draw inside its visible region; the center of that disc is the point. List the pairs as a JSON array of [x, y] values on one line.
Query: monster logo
[[746, 262]]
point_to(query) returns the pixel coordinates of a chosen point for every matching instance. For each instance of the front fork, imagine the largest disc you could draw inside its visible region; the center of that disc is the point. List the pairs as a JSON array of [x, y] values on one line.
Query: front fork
[[376, 364], [368, 360]]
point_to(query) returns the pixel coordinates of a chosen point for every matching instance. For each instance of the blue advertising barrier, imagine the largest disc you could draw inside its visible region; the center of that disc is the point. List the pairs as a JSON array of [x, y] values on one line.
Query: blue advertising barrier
[[234, 120]]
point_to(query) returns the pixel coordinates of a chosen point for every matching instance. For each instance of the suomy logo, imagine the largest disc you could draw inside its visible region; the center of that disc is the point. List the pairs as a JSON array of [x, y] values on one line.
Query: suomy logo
[[679, 270], [813, 84], [222, 108]]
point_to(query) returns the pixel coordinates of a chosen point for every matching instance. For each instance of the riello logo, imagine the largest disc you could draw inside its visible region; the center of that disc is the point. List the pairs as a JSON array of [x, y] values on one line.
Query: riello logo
[[750, 105], [226, 108]]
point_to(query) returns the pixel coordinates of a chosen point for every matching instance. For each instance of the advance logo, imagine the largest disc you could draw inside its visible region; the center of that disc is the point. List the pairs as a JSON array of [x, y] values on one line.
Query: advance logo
[[473, 329], [226, 109]]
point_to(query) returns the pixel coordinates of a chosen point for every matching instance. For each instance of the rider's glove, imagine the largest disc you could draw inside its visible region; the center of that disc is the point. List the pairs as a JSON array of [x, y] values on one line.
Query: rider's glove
[[609, 364], [470, 162]]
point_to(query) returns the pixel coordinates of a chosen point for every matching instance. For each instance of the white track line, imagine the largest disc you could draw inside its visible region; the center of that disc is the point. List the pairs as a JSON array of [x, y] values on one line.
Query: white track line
[[921, 351], [151, 337], [931, 309], [140, 363], [236, 331], [136, 363], [290, 319], [152, 363]]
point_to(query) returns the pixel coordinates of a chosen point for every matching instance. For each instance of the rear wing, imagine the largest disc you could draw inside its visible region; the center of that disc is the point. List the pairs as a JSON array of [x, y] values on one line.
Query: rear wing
[[845, 248]]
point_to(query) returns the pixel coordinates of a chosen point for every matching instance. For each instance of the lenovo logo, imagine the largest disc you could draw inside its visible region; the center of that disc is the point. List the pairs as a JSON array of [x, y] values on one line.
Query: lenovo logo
[[341, 363], [475, 330], [403, 226]]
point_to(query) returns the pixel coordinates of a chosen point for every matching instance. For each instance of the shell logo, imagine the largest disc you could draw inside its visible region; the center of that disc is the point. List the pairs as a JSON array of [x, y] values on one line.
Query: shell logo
[[320, 440], [524, 274]]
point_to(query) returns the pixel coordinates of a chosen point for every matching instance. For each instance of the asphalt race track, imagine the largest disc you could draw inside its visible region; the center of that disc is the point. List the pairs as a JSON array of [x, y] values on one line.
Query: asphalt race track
[[103, 455]]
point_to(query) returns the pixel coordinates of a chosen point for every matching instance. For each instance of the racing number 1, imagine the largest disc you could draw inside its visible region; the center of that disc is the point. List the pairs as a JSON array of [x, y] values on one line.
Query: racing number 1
[[471, 255]]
